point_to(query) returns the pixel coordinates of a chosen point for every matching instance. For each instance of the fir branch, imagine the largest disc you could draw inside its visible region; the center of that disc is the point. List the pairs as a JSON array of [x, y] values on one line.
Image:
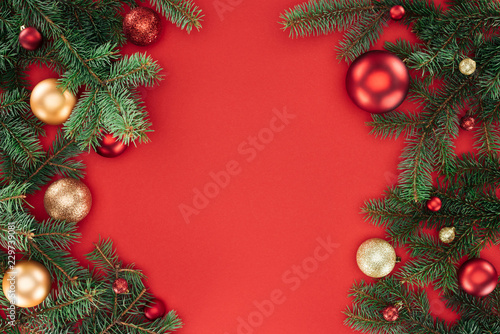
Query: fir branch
[[34, 245], [364, 33], [117, 320], [183, 13], [323, 17]]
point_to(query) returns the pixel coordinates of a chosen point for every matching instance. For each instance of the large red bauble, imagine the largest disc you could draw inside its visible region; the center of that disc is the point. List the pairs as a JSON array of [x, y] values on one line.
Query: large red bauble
[[377, 81], [30, 38], [110, 146], [477, 277], [155, 310], [142, 26]]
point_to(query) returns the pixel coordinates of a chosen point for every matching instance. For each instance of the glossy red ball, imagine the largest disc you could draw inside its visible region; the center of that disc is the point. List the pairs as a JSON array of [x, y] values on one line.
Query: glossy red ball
[[30, 38], [155, 310], [397, 12], [110, 147], [434, 204], [477, 277], [377, 81]]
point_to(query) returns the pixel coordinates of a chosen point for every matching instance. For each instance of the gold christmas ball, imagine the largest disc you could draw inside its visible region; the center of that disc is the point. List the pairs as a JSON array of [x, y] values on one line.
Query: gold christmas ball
[[68, 199], [376, 258], [50, 104], [447, 234], [27, 284], [467, 66]]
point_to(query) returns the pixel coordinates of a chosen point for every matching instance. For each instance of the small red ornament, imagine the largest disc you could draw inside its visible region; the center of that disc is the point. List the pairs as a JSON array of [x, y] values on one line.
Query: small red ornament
[[155, 310], [377, 81], [467, 123], [30, 38], [397, 12], [142, 26], [110, 147], [434, 204], [477, 277], [390, 313], [120, 286]]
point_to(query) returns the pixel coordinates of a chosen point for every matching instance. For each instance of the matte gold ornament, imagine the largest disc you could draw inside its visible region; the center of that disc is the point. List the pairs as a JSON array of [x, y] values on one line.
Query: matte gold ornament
[[50, 104], [376, 258], [27, 284], [467, 66], [447, 234], [68, 199]]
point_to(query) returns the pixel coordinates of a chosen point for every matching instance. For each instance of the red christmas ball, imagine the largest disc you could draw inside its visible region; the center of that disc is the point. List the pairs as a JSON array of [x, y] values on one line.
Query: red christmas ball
[[390, 313], [30, 38], [477, 277], [397, 12], [120, 285], [467, 123], [377, 81], [142, 26], [110, 147], [434, 204], [155, 310]]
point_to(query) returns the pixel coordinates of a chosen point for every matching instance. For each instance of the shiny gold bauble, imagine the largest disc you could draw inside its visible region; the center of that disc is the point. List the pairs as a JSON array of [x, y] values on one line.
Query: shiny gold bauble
[[68, 199], [467, 66], [447, 234], [376, 258], [27, 284], [50, 104]]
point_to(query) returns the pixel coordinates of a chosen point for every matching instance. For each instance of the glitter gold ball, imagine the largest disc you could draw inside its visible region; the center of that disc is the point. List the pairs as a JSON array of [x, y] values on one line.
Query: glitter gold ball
[[68, 199], [467, 66], [447, 234], [50, 104], [142, 26], [27, 284], [376, 258]]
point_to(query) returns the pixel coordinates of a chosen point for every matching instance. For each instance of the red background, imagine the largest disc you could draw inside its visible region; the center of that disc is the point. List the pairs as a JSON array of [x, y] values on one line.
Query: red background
[[309, 182]]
